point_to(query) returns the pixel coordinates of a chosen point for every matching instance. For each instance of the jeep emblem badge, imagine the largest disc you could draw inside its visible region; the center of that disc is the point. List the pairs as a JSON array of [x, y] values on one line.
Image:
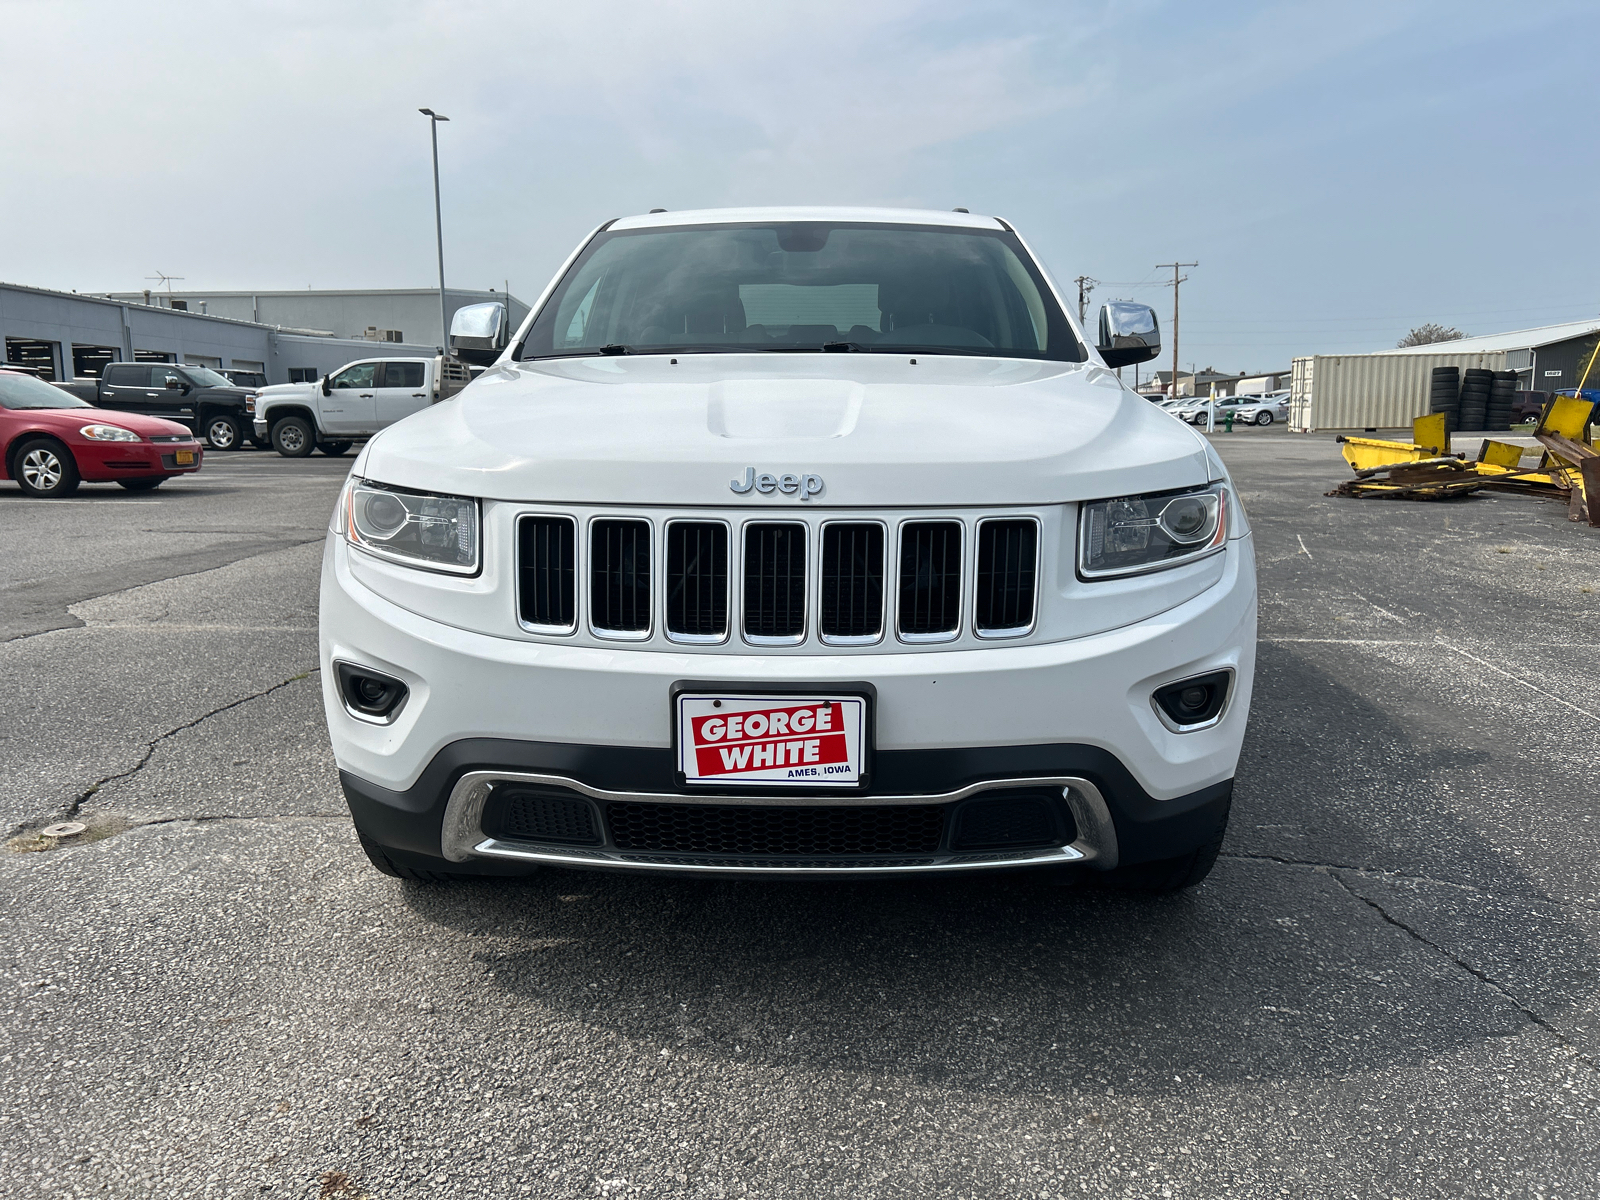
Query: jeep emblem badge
[[805, 486]]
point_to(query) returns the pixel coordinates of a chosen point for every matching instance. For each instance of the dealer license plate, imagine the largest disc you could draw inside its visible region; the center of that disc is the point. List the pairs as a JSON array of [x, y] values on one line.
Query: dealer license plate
[[803, 741], [184, 458]]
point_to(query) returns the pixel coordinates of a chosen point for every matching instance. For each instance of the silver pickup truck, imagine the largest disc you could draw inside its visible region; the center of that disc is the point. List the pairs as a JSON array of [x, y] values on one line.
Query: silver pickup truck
[[353, 403]]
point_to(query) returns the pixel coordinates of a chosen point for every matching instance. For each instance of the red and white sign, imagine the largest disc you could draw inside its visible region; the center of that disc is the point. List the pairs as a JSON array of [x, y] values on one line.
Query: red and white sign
[[801, 740]]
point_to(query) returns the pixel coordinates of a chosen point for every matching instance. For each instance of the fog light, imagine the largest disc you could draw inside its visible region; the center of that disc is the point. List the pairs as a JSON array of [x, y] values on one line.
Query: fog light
[[371, 694], [1192, 704]]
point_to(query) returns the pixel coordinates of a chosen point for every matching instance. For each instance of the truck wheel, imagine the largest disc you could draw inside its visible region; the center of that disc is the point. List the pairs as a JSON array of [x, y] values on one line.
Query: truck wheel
[[223, 432], [142, 485], [43, 467], [334, 449], [292, 438]]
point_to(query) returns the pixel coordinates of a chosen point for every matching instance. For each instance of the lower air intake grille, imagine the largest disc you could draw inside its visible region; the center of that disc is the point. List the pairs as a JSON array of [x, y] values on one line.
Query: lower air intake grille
[[775, 581], [852, 581], [697, 580], [930, 579], [769, 830], [1007, 553], [546, 580], [1010, 822], [540, 814], [619, 599]]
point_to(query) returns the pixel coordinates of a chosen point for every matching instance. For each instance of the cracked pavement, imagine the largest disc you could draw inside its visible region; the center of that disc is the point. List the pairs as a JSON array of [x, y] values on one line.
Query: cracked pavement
[[1388, 987]]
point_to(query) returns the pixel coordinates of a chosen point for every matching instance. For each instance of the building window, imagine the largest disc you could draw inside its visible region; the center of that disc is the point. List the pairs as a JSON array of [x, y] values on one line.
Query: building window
[[160, 356], [89, 361], [26, 352], [178, 305], [304, 375]]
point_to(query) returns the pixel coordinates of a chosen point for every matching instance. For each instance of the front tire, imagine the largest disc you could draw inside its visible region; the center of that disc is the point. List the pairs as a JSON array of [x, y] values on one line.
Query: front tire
[[422, 869], [334, 449], [1169, 875], [141, 485], [292, 437], [1263, 418], [223, 432], [45, 468]]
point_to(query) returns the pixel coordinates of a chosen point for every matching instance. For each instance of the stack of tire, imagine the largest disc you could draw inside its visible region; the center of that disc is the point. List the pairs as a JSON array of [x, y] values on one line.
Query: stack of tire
[[1502, 400], [1444, 396], [1475, 387]]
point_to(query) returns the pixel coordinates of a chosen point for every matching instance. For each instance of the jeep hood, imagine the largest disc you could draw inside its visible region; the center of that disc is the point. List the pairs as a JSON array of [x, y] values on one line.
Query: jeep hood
[[881, 431]]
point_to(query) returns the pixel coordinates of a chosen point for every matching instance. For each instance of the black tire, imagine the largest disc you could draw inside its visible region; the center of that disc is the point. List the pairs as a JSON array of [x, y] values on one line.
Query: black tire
[[293, 437], [43, 467], [334, 449], [223, 432], [142, 485], [1169, 874], [1263, 417]]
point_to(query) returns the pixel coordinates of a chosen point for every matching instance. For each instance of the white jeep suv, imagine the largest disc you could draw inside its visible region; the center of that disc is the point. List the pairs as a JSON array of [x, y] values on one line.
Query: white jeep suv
[[793, 541]]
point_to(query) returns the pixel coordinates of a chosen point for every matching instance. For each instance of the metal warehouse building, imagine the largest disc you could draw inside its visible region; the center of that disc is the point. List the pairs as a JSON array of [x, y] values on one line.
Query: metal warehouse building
[[67, 335], [1387, 389]]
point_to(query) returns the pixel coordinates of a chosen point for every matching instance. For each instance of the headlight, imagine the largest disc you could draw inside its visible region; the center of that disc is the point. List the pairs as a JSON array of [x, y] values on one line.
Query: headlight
[[109, 433], [1133, 534], [439, 533]]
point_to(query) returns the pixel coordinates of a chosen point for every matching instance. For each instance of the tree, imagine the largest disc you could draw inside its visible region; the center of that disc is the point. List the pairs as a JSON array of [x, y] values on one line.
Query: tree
[[1426, 335]]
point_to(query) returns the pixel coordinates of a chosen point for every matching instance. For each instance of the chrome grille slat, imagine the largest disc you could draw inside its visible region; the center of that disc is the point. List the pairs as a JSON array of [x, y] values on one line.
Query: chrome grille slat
[[1007, 567], [547, 573], [697, 581], [930, 580], [619, 589]]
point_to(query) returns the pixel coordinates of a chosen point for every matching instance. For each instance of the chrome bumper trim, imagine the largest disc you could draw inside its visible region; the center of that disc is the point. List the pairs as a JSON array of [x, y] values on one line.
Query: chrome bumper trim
[[462, 837]]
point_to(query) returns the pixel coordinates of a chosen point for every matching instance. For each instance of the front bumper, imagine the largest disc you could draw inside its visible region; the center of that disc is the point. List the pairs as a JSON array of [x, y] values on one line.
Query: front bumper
[[260, 427], [101, 462], [1070, 723]]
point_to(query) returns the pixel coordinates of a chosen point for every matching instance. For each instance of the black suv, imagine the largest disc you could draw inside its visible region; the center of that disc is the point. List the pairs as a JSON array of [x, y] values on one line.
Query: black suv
[[198, 397], [239, 377]]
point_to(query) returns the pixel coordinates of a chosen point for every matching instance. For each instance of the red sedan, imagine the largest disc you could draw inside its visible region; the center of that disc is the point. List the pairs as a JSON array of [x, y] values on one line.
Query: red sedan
[[50, 441]]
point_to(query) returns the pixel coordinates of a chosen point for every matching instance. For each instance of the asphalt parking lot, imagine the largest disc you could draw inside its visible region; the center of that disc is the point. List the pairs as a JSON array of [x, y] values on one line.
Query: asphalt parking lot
[[1388, 987]]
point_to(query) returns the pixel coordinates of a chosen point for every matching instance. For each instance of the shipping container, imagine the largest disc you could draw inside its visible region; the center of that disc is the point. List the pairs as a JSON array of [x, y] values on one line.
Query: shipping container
[[1351, 393]]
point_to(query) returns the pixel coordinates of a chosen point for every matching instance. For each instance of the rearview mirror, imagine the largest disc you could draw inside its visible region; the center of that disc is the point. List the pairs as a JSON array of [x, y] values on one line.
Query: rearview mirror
[[1129, 333], [478, 333]]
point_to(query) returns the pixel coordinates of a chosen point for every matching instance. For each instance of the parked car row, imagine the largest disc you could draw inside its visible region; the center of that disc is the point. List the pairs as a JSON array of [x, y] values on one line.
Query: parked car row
[[51, 441], [1262, 409]]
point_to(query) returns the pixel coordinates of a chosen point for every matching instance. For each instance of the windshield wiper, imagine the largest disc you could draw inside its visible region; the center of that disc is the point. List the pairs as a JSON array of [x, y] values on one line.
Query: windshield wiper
[[616, 348], [846, 348]]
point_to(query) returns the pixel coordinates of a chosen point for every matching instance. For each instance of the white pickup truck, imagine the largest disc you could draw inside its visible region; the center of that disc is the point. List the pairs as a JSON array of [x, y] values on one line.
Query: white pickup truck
[[351, 404]]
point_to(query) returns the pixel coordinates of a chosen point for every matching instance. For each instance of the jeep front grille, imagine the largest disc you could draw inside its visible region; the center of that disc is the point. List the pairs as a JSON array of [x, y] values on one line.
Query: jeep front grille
[[697, 581], [775, 582], [619, 561], [852, 582], [1007, 554], [547, 580], [930, 580]]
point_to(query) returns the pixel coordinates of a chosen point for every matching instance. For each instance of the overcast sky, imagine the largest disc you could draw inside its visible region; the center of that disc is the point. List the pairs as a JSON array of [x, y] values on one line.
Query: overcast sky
[[1341, 171]]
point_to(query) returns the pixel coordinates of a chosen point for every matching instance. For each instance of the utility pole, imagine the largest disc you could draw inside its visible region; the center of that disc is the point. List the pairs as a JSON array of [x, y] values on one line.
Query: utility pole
[[1085, 286], [1176, 266], [438, 225]]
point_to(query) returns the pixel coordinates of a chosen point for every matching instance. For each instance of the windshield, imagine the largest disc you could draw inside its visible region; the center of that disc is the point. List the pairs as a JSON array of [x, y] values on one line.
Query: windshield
[[804, 286], [24, 391], [205, 376]]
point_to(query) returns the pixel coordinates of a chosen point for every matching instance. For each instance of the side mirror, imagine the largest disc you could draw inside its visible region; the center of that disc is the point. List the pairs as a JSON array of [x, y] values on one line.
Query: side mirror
[[478, 333], [327, 388], [172, 382], [1129, 333]]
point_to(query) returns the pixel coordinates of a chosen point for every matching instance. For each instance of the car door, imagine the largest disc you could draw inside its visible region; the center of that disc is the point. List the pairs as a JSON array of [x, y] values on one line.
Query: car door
[[170, 394], [351, 403], [123, 386], [403, 390]]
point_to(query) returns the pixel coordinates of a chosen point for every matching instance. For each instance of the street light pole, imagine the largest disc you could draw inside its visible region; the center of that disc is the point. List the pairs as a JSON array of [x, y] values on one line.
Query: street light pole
[[438, 223]]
